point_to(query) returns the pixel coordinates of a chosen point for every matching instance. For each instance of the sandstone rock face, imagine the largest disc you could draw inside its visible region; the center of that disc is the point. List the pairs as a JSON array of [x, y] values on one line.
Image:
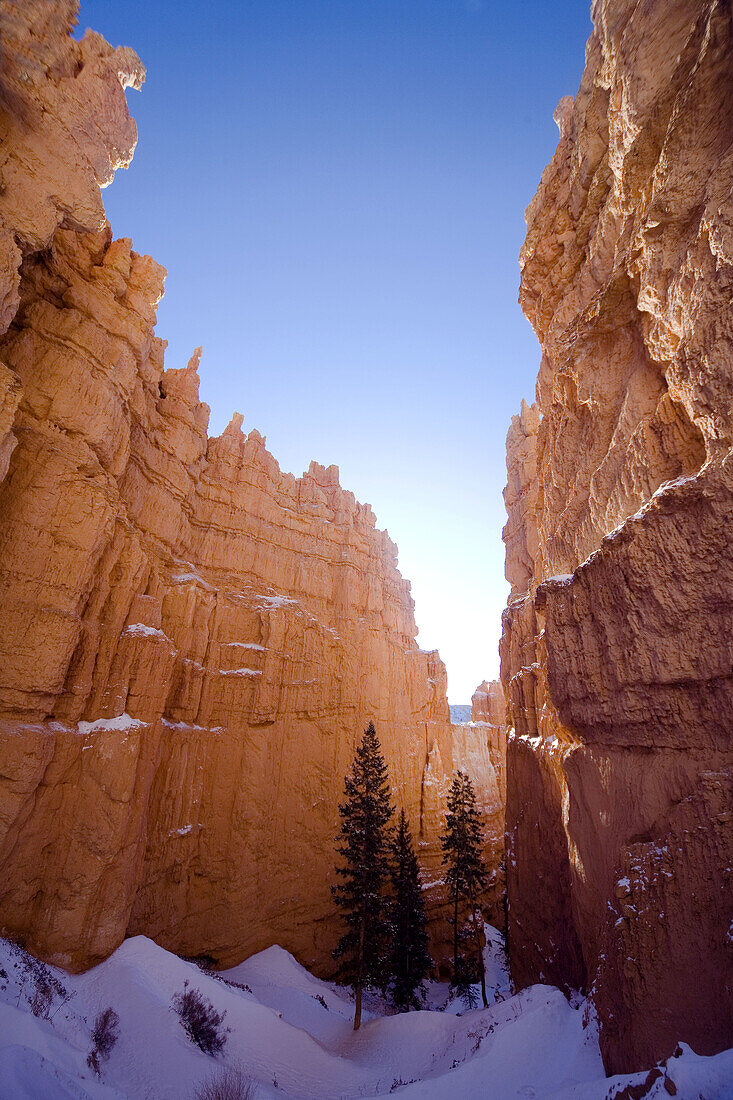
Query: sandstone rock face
[[617, 645], [64, 130], [192, 639]]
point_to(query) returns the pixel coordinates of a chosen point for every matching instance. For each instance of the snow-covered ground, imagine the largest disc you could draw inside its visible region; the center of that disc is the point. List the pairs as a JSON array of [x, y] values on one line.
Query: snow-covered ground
[[291, 1036]]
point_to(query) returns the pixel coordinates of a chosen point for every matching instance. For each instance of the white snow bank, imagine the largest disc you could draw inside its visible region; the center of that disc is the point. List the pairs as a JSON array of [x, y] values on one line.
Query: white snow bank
[[146, 631], [27, 1075], [189, 726], [122, 722], [560, 581], [292, 1035], [191, 577], [275, 601]]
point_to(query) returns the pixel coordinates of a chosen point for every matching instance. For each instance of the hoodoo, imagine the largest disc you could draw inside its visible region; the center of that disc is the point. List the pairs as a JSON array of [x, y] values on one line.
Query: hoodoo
[[192, 639], [616, 652]]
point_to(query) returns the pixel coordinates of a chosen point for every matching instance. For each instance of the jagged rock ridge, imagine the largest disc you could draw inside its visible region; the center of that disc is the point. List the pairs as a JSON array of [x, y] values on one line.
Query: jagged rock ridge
[[192, 639], [616, 651]]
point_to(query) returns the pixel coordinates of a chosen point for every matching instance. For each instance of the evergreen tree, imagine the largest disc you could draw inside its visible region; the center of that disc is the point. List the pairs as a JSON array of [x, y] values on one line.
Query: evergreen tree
[[465, 878], [364, 844], [409, 959]]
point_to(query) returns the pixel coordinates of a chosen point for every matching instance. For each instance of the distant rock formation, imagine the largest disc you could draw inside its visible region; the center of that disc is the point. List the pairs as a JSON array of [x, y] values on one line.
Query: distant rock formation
[[618, 643], [192, 640], [479, 749]]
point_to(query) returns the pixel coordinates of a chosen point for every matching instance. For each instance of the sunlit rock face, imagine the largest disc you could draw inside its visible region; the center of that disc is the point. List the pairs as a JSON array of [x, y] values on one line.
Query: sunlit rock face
[[192, 640], [617, 644], [64, 130]]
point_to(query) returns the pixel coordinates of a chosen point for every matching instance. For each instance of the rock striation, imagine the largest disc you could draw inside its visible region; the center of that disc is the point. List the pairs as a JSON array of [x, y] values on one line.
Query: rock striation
[[192, 639], [64, 130], [617, 642]]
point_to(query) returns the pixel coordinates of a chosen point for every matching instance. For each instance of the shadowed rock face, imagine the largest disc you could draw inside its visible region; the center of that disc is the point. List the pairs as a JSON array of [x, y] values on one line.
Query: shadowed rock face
[[192, 640], [617, 647]]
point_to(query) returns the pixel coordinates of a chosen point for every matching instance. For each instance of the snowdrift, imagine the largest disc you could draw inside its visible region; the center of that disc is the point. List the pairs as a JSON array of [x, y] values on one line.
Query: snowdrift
[[291, 1035]]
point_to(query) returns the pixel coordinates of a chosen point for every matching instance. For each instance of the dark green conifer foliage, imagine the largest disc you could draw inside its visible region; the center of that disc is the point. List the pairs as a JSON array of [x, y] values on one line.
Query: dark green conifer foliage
[[364, 844], [409, 959], [465, 877]]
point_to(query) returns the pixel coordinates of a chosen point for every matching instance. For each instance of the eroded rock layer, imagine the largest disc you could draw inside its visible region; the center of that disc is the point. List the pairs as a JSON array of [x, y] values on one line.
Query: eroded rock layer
[[192, 640], [617, 647]]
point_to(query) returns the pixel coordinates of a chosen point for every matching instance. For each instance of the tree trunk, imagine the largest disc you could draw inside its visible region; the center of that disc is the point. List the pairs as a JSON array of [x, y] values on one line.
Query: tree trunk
[[359, 977], [455, 936], [480, 956]]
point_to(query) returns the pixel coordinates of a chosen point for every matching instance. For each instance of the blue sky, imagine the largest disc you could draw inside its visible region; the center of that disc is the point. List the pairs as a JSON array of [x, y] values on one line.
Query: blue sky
[[337, 189]]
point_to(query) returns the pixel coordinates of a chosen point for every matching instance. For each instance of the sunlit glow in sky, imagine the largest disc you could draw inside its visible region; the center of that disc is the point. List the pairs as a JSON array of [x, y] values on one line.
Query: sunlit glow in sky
[[337, 190]]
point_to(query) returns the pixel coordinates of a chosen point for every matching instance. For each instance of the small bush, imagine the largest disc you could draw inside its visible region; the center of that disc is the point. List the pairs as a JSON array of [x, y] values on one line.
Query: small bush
[[105, 1034], [200, 1020], [45, 986], [203, 962], [231, 1084], [398, 1083], [229, 981], [41, 999]]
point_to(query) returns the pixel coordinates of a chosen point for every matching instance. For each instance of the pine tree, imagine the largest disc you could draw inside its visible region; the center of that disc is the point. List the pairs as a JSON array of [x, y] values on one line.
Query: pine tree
[[409, 959], [465, 877], [364, 844]]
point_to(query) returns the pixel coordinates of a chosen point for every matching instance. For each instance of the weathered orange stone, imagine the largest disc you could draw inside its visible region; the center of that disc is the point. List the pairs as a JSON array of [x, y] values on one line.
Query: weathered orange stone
[[192, 640], [617, 648]]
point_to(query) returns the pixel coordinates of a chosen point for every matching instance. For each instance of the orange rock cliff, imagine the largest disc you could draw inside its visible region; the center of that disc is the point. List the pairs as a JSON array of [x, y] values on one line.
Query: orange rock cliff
[[617, 643], [192, 639]]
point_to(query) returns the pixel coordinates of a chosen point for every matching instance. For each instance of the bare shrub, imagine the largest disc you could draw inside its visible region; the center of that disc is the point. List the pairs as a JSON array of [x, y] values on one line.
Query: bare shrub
[[45, 986], [230, 981], [105, 1034], [206, 963], [41, 999], [230, 1084], [200, 1020]]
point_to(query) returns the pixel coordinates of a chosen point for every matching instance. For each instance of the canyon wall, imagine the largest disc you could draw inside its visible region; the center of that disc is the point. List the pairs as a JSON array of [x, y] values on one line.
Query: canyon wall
[[617, 646], [192, 640]]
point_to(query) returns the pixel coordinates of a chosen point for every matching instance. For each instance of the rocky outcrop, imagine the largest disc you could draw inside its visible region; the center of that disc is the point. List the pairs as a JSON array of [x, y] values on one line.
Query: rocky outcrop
[[64, 130], [192, 639], [616, 652]]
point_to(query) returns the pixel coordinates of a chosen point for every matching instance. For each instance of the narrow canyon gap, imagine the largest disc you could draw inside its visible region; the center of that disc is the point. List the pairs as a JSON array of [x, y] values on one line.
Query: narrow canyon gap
[[193, 640]]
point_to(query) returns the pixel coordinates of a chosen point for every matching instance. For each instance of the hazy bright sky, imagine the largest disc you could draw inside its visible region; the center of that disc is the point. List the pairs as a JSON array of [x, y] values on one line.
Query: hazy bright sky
[[337, 189]]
